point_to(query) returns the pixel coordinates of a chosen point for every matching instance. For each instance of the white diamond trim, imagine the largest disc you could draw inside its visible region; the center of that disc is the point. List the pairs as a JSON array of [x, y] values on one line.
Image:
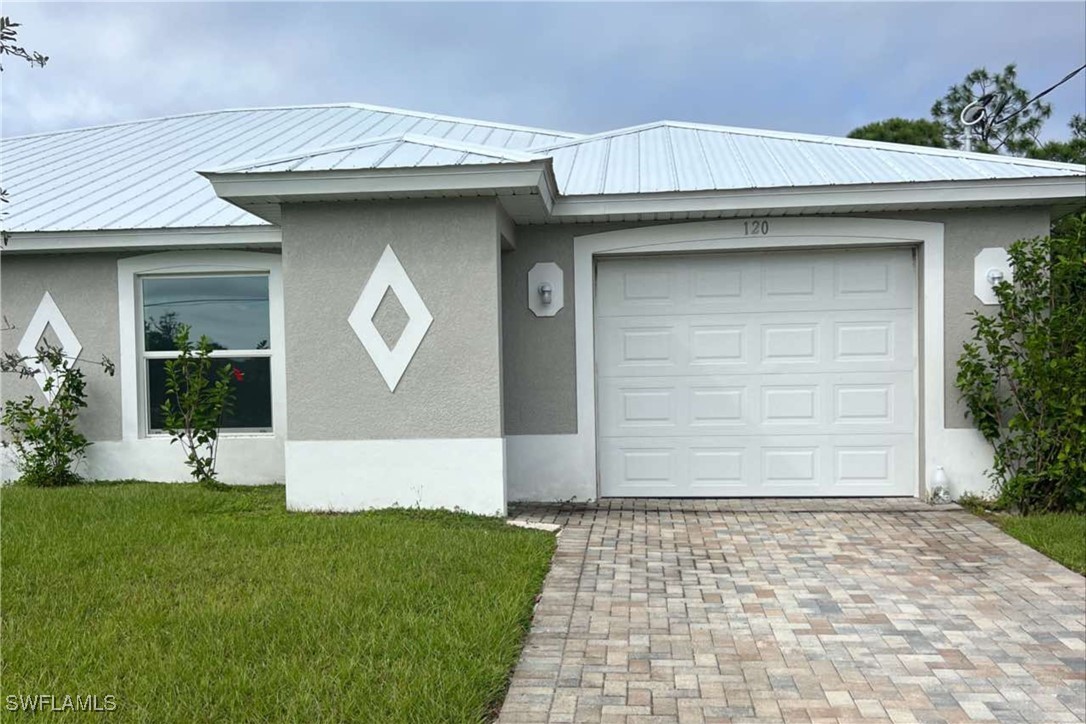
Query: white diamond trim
[[48, 315], [390, 274]]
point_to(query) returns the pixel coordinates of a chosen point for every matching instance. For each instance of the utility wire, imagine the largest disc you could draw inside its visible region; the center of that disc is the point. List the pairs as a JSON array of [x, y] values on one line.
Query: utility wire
[[1040, 95]]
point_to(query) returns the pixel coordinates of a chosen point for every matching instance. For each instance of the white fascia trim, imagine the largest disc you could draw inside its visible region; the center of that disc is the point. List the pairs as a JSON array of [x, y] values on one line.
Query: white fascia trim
[[927, 194], [301, 185], [195, 262], [785, 233], [137, 239]]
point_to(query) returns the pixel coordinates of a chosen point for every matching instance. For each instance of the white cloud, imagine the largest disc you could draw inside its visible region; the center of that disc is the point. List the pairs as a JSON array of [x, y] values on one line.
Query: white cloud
[[821, 68]]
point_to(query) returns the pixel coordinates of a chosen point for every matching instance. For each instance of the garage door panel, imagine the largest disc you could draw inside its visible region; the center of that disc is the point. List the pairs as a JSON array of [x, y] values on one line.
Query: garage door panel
[[761, 282], [757, 374], [842, 403], [776, 465], [836, 341]]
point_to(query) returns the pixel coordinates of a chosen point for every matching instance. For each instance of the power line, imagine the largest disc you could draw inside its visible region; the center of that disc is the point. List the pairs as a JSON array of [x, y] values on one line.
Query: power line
[[1042, 94]]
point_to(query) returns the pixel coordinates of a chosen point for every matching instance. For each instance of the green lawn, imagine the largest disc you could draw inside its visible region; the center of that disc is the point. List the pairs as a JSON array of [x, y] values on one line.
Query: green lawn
[[1060, 536], [190, 605]]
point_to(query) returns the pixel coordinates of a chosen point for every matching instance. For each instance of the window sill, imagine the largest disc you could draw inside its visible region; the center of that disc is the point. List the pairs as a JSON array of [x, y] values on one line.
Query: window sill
[[222, 436]]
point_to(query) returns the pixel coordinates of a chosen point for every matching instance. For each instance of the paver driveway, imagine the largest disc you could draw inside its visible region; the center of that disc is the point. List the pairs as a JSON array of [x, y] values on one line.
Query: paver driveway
[[829, 610]]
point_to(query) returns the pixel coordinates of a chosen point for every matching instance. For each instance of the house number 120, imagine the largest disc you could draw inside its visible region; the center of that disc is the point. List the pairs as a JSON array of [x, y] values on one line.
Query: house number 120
[[755, 228]]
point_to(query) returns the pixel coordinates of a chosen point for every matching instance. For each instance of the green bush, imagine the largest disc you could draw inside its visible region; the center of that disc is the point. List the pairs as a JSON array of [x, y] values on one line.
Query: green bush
[[46, 443], [198, 394], [1023, 374]]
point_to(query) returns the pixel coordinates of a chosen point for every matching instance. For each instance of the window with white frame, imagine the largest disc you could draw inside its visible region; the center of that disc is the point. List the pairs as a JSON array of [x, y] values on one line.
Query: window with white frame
[[232, 311]]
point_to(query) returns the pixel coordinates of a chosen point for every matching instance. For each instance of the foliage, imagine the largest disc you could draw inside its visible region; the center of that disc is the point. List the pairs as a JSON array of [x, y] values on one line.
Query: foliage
[[198, 394], [8, 37], [1023, 375], [915, 132], [384, 616], [43, 436], [1072, 150], [1016, 135], [1009, 126], [978, 504]]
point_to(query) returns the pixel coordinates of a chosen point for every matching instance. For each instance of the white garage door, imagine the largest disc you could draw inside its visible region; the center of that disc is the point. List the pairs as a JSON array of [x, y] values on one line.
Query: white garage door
[[768, 374]]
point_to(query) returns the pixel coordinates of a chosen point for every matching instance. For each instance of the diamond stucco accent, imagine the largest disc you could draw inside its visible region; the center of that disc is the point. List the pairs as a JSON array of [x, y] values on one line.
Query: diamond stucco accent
[[48, 315], [393, 361]]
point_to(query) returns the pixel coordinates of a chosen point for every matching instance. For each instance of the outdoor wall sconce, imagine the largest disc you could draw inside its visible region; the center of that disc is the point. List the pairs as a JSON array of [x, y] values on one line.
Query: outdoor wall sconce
[[990, 267], [546, 295]]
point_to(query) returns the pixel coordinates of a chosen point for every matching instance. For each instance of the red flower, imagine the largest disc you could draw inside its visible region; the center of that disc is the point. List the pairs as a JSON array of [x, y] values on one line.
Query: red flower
[[238, 374]]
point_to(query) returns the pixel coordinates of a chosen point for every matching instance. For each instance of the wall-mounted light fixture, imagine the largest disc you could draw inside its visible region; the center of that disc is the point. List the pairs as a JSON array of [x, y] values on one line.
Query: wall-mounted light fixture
[[990, 267], [545, 289]]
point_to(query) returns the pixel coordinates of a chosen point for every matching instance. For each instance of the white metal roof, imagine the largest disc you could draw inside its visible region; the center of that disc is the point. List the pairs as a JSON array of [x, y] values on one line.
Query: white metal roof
[[670, 156], [405, 151], [142, 175]]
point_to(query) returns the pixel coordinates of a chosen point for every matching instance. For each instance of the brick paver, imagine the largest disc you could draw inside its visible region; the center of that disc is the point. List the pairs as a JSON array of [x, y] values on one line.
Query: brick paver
[[800, 610]]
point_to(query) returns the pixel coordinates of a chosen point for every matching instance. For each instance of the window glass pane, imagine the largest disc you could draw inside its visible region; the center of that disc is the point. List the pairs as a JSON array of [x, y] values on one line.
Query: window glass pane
[[231, 310], [252, 394]]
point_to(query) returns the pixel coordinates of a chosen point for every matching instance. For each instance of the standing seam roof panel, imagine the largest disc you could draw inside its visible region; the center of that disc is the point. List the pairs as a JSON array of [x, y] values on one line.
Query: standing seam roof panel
[[623, 165], [61, 197], [186, 188], [135, 201], [691, 169], [655, 161]]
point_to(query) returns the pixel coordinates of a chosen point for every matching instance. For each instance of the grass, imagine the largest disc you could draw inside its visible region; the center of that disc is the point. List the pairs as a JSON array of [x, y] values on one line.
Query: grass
[[190, 605], [1060, 536]]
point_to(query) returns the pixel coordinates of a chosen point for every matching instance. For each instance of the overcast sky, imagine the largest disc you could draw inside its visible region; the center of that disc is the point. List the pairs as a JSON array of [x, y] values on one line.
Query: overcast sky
[[818, 68]]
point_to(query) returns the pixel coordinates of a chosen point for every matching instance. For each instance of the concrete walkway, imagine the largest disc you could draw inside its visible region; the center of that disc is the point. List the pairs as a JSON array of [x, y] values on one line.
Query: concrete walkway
[[801, 610]]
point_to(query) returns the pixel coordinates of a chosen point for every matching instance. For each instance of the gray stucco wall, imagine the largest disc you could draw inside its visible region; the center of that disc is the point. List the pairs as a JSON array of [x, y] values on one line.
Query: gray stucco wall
[[965, 234], [450, 251], [539, 354], [84, 286]]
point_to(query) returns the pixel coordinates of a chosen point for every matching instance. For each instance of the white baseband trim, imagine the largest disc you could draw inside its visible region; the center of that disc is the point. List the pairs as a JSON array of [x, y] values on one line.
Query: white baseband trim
[[340, 475], [242, 461], [548, 468], [966, 458]]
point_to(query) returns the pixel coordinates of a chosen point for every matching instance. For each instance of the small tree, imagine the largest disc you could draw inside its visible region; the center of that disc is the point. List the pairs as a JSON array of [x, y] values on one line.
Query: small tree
[[915, 132], [198, 395], [47, 445], [1023, 374], [8, 37], [1073, 150], [1017, 135]]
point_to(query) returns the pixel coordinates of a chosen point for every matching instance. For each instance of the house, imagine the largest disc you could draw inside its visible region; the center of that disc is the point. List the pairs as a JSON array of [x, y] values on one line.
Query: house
[[445, 312]]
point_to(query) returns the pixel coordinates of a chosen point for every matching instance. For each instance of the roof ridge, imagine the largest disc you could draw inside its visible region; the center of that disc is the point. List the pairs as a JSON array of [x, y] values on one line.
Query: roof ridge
[[883, 145], [623, 131], [304, 106], [419, 138], [822, 139], [459, 119]]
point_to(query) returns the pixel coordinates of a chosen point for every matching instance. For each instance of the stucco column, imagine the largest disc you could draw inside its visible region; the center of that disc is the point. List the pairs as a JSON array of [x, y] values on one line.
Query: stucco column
[[416, 419]]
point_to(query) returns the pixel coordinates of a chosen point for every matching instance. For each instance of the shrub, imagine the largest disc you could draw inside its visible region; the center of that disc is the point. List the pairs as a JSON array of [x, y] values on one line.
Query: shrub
[[46, 443], [1023, 374], [198, 394]]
